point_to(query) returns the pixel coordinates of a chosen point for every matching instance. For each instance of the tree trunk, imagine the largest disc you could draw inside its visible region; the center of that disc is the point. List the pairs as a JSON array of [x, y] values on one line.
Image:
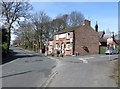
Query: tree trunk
[[9, 38]]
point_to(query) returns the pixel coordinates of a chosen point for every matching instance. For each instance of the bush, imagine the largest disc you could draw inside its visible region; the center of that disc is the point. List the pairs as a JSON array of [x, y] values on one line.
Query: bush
[[4, 48]]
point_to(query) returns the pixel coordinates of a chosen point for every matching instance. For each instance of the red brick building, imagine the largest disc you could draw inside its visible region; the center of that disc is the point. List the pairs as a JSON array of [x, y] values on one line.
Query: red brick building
[[82, 39], [86, 39]]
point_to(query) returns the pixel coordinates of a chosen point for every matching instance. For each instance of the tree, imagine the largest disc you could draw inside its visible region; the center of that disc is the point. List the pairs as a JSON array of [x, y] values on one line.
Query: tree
[[60, 23], [12, 12], [75, 19], [25, 35], [4, 40], [67, 20], [40, 20]]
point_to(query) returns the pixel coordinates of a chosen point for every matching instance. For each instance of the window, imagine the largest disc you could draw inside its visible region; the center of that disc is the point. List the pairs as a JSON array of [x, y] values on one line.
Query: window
[[51, 43], [68, 35], [57, 37], [57, 46], [67, 46]]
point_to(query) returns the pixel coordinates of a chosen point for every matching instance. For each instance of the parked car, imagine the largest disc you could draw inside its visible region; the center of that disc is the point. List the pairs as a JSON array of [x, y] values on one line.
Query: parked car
[[111, 51]]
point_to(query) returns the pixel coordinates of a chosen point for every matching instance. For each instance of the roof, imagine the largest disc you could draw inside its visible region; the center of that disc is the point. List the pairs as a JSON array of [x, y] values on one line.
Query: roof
[[116, 37], [69, 29], [101, 34], [105, 37]]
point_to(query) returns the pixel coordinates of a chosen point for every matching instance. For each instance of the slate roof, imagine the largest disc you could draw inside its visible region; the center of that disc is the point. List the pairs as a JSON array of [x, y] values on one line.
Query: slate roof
[[105, 37]]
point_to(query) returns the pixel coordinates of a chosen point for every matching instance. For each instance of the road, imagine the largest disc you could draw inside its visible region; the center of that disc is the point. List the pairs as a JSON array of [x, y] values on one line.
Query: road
[[27, 70], [32, 70], [85, 71]]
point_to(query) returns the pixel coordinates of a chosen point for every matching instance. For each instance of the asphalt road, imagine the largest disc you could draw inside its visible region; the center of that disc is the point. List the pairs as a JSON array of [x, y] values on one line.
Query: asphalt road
[[85, 71], [29, 69]]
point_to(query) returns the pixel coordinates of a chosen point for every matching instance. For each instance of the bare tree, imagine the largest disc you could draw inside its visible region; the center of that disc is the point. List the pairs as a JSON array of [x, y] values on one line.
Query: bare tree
[[75, 19], [60, 23], [26, 35], [39, 21], [12, 13]]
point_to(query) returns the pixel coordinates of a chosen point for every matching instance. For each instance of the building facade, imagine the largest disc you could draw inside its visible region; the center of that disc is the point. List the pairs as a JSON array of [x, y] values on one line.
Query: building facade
[[86, 39], [82, 39]]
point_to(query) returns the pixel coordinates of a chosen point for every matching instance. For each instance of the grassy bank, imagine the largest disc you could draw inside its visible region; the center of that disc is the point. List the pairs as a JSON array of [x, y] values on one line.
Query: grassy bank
[[117, 72]]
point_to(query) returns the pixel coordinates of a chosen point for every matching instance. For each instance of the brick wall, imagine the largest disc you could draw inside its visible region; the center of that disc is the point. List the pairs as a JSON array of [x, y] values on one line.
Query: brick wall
[[86, 40]]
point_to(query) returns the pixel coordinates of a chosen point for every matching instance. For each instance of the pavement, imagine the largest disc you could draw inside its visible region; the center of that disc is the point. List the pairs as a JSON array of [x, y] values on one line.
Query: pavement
[[30, 69]]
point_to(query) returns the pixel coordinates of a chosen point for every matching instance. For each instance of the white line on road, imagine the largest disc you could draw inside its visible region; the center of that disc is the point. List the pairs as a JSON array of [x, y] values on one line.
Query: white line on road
[[57, 61], [88, 57], [84, 60], [51, 57], [46, 83]]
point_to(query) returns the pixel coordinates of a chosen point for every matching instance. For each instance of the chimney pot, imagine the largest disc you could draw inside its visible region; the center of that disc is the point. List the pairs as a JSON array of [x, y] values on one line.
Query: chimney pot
[[86, 22]]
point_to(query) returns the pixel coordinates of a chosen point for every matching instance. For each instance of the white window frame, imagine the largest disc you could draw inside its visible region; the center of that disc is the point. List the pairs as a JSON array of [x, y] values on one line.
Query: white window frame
[[57, 37], [57, 46], [68, 36], [67, 47]]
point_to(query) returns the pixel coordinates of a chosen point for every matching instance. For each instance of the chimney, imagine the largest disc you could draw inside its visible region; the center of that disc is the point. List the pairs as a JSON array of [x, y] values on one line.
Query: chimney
[[96, 27], [86, 22]]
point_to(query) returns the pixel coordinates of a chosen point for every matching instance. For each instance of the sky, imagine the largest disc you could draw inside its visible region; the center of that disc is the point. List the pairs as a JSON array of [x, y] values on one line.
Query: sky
[[105, 13]]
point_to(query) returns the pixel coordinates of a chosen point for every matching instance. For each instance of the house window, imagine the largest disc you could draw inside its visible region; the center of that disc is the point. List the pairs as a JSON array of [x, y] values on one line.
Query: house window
[[50, 43], [57, 37], [57, 46], [68, 35], [67, 46]]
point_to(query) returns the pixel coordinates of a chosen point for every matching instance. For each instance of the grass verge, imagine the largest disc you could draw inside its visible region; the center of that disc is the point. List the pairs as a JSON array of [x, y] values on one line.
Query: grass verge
[[117, 71]]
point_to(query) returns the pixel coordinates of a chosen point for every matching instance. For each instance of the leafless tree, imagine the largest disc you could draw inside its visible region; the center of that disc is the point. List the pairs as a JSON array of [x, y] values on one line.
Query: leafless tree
[[59, 23], [12, 12], [40, 21], [75, 19]]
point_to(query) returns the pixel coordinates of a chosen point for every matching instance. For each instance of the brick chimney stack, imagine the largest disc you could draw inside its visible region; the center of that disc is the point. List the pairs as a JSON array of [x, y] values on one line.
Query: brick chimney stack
[[86, 22]]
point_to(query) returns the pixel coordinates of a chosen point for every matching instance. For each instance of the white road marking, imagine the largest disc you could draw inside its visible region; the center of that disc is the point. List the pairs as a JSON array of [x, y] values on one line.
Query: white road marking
[[88, 57], [51, 76], [84, 60], [51, 57], [59, 63]]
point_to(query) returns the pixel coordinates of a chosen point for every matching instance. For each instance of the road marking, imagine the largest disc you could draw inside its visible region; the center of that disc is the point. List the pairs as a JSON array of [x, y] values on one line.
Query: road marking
[[59, 63], [84, 60], [88, 57], [47, 82], [51, 57]]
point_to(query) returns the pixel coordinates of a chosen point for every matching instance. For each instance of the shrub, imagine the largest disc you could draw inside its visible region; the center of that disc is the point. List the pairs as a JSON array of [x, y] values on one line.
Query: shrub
[[4, 48]]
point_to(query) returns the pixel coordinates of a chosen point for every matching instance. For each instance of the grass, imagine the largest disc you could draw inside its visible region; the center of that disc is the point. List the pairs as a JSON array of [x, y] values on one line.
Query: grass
[[102, 50], [117, 72]]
